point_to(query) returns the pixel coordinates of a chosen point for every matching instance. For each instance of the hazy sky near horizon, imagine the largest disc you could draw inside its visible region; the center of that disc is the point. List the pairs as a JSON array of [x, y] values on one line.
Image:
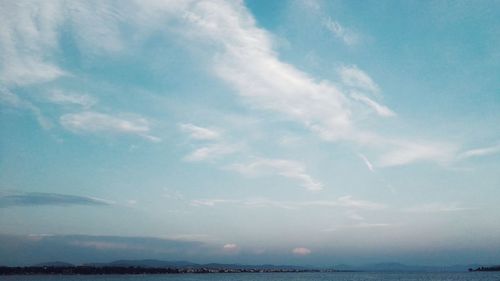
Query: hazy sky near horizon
[[301, 132]]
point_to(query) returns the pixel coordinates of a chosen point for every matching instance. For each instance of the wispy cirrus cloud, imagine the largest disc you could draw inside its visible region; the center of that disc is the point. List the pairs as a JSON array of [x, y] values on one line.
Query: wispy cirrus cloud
[[61, 97], [12, 100], [356, 78], [477, 152], [243, 57], [199, 133], [367, 162], [346, 35], [214, 145], [405, 152], [27, 42], [210, 152], [286, 168], [101, 123], [247, 62], [438, 207], [49, 199], [342, 202], [380, 109], [359, 225]]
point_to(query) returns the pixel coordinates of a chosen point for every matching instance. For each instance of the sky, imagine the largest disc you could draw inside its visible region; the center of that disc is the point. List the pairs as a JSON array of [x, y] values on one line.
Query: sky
[[284, 132]]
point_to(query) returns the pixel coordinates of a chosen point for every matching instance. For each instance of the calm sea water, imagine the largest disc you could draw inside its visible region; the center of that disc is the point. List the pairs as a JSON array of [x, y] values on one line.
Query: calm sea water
[[357, 276]]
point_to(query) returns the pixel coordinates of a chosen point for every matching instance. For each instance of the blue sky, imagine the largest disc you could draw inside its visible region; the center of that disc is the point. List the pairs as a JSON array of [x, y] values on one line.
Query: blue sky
[[301, 132]]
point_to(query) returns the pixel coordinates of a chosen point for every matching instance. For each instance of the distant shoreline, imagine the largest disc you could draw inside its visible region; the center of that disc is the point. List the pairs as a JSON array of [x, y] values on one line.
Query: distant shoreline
[[60, 268], [132, 270], [487, 268]]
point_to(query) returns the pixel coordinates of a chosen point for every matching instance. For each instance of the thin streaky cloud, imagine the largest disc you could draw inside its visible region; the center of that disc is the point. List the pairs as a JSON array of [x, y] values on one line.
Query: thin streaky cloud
[[10, 99], [27, 41], [286, 168], [438, 207], [61, 97], [342, 202], [248, 63], [212, 202], [101, 123], [380, 109], [199, 133], [360, 225], [210, 152], [367, 162], [246, 60], [49, 199], [346, 35], [405, 152], [478, 152], [356, 78]]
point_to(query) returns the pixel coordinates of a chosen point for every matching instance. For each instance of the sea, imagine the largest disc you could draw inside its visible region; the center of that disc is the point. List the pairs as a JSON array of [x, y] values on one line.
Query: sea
[[331, 276]]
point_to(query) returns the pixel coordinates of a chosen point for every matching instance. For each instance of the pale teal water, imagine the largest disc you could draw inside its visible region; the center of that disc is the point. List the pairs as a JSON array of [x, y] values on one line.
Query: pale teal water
[[357, 276]]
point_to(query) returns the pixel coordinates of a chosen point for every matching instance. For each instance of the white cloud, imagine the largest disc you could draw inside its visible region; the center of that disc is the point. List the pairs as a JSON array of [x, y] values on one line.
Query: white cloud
[[100, 123], [355, 78], [353, 215], [28, 36], [10, 99], [28, 71], [346, 202], [231, 248], [301, 251], [68, 98], [437, 207], [199, 133], [211, 202], [248, 63], [380, 109], [244, 58], [210, 152], [367, 162], [216, 147], [285, 168], [344, 34], [484, 151], [357, 225], [404, 152]]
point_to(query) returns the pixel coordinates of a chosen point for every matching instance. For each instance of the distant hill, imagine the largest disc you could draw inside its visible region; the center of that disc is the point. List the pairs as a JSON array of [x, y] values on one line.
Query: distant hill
[[54, 264], [146, 263], [246, 266], [149, 263]]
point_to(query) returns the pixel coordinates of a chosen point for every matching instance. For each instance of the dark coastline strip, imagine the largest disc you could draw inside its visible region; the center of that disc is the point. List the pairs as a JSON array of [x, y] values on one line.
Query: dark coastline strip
[[91, 270], [489, 268]]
